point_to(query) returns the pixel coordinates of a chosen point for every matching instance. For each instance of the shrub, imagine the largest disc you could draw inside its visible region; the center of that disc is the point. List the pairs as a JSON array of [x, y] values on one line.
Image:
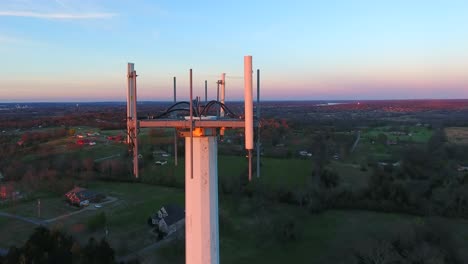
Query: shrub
[[420, 243]]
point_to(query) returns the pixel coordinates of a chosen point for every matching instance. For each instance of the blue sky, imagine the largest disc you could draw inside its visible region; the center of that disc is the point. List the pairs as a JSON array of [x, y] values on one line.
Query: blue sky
[[77, 50]]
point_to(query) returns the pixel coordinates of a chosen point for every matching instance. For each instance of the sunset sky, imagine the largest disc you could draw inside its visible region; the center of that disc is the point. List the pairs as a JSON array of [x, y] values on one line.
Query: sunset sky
[[77, 50]]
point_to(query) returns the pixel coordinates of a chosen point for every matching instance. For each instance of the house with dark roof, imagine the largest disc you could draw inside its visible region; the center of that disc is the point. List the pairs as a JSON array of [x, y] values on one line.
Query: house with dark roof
[[168, 219]]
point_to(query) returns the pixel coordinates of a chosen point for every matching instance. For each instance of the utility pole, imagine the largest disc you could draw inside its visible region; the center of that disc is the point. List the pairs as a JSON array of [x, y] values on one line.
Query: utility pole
[[38, 208]]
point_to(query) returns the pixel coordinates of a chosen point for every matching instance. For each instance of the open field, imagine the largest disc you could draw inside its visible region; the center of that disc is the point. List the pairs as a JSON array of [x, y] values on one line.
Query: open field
[[242, 237], [457, 135], [50, 207], [14, 232], [275, 173], [245, 239], [128, 230], [416, 134]]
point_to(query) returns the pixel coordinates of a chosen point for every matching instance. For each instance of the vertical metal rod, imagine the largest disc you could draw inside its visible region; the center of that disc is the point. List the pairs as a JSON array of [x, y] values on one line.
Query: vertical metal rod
[[199, 109], [175, 89], [250, 165], [175, 130], [223, 91], [217, 96], [191, 126], [206, 91], [258, 123], [135, 127]]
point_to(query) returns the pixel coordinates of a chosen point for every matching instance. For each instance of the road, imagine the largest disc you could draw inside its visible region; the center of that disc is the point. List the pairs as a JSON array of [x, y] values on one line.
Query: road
[[25, 219], [89, 208], [105, 158], [357, 141], [148, 249]]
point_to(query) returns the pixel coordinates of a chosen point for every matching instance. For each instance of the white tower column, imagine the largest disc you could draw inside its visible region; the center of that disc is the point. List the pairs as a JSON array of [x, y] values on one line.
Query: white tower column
[[201, 201]]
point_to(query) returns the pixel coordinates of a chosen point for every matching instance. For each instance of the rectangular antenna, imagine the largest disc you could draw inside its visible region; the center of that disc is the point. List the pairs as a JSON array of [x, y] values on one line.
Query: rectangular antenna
[[191, 126], [248, 104], [132, 120]]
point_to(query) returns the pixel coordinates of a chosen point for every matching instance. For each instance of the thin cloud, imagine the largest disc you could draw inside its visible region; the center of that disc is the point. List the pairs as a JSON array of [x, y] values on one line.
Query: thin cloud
[[64, 16], [7, 39]]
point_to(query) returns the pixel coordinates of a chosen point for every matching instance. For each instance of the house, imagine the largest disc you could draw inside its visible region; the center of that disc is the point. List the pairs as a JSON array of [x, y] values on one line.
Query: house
[[7, 191], [78, 196], [118, 138], [393, 164], [304, 153], [1, 177], [82, 142], [92, 134], [462, 168], [168, 219], [158, 153]]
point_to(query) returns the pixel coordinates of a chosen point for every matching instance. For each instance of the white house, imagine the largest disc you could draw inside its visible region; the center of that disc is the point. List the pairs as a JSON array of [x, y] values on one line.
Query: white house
[[169, 219]]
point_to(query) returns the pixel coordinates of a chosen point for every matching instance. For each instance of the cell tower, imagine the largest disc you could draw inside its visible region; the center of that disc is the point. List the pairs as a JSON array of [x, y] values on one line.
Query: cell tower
[[200, 131]]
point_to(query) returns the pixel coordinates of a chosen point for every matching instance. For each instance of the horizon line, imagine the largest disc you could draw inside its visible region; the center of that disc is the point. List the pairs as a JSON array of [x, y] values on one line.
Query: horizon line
[[235, 101]]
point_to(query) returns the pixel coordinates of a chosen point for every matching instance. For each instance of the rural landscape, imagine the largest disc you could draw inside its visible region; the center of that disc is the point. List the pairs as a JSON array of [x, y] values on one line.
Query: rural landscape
[[340, 182], [233, 132]]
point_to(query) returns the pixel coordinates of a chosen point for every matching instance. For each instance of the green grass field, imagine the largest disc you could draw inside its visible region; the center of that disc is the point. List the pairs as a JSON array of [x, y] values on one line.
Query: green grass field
[[416, 134], [50, 207], [14, 232], [243, 235]]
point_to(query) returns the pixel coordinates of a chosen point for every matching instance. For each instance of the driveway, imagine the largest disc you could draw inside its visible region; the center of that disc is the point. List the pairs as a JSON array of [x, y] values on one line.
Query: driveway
[[25, 219], [88, 208], [147, 249], [48, 221]]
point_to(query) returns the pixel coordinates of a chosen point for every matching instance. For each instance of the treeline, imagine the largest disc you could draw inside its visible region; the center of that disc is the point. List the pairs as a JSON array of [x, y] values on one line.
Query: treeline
[[59, 173], [53, 246], [103, 120]]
